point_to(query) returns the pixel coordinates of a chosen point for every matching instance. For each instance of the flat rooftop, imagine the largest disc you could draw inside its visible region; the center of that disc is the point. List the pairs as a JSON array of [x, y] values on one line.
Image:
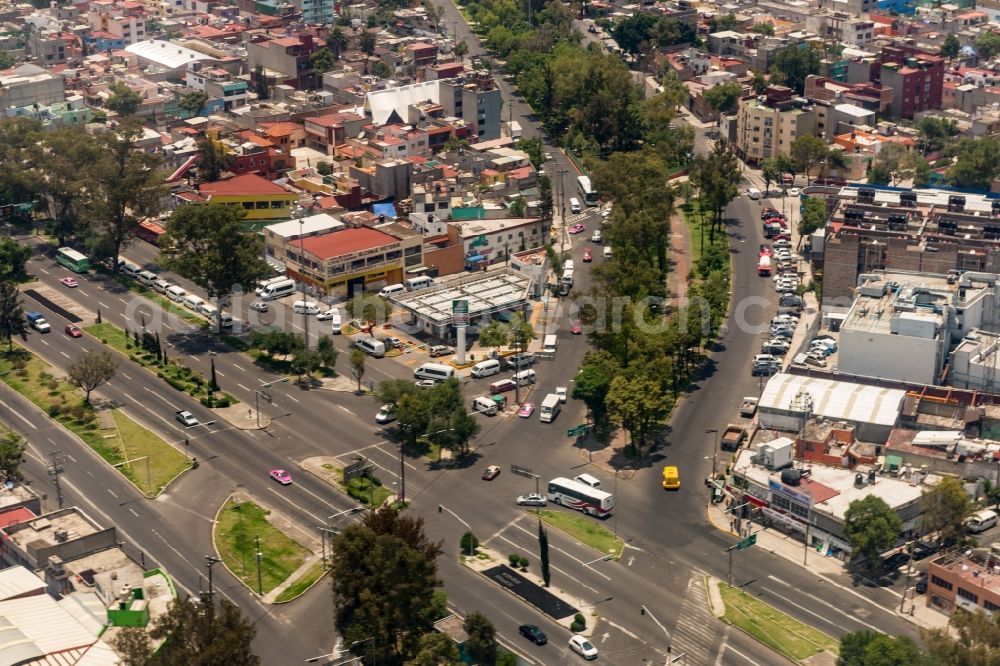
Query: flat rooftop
[[487, 292], [475, 228], [916, 298], [45, 531], [834, 400]]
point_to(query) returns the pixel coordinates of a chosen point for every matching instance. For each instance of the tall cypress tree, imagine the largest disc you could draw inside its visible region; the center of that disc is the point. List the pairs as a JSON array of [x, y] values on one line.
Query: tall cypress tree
[[543, 554]]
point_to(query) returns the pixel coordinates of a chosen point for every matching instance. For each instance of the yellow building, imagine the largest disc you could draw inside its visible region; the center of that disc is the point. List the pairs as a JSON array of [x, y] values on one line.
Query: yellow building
[[766, 126], [259, 197]]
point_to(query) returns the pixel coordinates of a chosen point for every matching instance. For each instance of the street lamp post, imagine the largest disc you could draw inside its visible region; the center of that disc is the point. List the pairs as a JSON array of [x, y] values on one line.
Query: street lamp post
[[259, 390], [645, 611], [302, 271], [211, 562], [442, 507], [715, 454]]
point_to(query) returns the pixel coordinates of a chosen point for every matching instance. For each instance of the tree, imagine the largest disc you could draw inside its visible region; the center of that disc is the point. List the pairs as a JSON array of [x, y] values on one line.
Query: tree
[[973, 639], [920, 169], [336, 41], [133, 646], [770, 171], [215, 251], [766, 29], [592, 382], [213, 159], [367, 43], [6, 60], [543, 553], [358, 366], [11, 455], [871, 526], [382, 70], [813, 216], [870, 648], [91, 371], [891, 159], [259, 79], [792, 65], [495, 334], [326, 351], [323, 60], [635, 403], [758, 84], [807, 151], [305, 362], [125, 186], [463, 429], [482, 643], [723, 97], [461, 50], [545, 205], [950, 46], [123, 100], [193, 102], [368, 308], [12, 321], [987, 44], [383, 590], [944, 509], [436, 649], [978, 162], [535, 149], [203, 633], [936, 133], [60, 164], [13, 259]]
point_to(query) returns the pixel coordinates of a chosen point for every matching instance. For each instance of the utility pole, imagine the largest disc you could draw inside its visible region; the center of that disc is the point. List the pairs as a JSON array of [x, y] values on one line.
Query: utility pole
[[55, 471], [211, 561], [645, 611], [715, 454], [260, 556], [302, 270]]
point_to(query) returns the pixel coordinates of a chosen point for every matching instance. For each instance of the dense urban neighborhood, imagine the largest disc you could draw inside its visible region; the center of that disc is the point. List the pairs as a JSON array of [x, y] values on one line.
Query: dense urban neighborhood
[[448, 332]]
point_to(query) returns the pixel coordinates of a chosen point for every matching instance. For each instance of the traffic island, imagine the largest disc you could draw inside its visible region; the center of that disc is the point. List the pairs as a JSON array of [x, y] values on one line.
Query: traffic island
[[356, 480], [584, 529]]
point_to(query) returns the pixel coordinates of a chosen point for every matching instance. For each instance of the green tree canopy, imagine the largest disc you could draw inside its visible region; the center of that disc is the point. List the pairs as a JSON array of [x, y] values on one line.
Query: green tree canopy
[[12, 321], [978, 162], [807, 151], [871, 526], [944, 508], [723, 97], [813, 216], [987, 44], [972, 639], [870, 648], [950, 46], [936, 133], [193, 102], [482, 643], [92, 370], [123, 100], [792, 65], [323, 60]]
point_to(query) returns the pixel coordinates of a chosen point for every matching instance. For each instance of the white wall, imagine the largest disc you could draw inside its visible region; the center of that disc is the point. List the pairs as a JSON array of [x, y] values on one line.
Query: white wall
[[888, 356]]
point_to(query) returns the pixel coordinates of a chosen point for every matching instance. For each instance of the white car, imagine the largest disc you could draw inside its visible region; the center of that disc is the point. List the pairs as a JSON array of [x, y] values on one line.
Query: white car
[[596, 237], [794, 192], [582, 647], [186, 418], [259, 306], [386, 415], [532, 499], [781, 242], [766, 359], [785, 319], [325, 315]]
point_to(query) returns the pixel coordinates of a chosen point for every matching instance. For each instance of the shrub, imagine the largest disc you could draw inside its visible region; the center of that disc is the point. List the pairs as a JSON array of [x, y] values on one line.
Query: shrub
[[469, 543], [524, 562], [514, 559], [179, 385], [54, 409], [222, 402], [577, 627], [206, 402]]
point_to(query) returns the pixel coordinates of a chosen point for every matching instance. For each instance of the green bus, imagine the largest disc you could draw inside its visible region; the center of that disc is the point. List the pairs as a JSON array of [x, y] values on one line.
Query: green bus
[[72, 260]]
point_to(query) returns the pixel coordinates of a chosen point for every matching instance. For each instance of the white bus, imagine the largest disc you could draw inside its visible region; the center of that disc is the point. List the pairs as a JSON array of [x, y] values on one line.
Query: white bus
[[580, 496], [587, 191]]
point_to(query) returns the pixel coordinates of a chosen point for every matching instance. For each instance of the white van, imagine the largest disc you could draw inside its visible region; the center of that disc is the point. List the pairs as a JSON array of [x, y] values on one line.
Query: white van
[[484, 405], [753, 193], [336, 321], [486, 368], [436, 371], [549, 344], [146, 277], [371, 347], [589, 480], [550, 408], [567, 277], [392, 290], [192, 302], [264, 283], [277, 289], [176, 293], [208, 310], [568, 265], [161, 286], [305, 307], [981, 521], [129, 269], [574, 205], [524, 377], [607, 251], [421, 282]]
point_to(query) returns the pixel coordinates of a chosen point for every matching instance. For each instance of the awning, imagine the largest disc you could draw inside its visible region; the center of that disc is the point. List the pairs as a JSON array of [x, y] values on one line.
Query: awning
[[476, 258], [893, 462], [784, 520]]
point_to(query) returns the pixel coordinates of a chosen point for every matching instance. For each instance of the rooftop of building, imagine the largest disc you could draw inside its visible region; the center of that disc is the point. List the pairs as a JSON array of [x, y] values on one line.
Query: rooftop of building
[[51, 529], [166, 54], [312, 225], [347, 241], [249, 184], [883, 299], [835, 400], [979, 569], [473, 228], [492, 291]]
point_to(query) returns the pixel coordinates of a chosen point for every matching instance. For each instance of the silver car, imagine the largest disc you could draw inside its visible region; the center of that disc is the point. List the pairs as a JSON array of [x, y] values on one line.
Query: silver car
[[532, 499]]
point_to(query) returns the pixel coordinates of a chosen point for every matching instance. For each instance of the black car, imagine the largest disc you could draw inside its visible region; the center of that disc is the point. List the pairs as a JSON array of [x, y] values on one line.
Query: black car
[[533, 634], [895, 561], [921, 586], [922, 549]]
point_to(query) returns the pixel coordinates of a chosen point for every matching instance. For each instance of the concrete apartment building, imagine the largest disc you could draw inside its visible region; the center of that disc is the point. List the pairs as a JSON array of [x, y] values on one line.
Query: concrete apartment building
[[916, 78], [316, 11], [285, 61], [476, 100], [767, 125], [122, 20]]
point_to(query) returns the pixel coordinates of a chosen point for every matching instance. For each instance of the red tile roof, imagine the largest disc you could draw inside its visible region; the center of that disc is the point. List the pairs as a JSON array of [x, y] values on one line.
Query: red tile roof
[[280, 128], [346, 241], [245, 185]]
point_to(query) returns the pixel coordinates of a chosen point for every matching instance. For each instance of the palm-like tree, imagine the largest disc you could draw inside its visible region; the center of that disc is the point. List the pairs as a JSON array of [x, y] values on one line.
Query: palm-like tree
[[367, 45], [461, 50], [336, 41]]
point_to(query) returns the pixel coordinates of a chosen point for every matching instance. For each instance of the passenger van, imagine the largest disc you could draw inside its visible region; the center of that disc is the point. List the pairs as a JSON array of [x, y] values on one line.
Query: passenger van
[[146, 277], [305, 307], [980, 521], [549, 344], [524, 377], [502, 386], [753, 193], [277, 289], [371, 347], [336, 322], [550, 408], [129, 269], [421, 282], [264, 283], [161, 286], [591, 481], [484, 405], [392, 290], [607, 251], [192, 302], [568, 265], [176, 293], [436, 371], [567, 277], [486, 368], [574, 205]]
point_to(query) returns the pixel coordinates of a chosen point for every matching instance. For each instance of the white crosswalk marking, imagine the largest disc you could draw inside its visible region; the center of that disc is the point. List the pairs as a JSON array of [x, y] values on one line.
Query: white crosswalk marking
[[697, 630]]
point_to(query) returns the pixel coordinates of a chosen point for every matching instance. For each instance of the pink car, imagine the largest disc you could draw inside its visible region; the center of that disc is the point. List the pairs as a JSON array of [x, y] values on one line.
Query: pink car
[[577, 228], [527, 409], [281, 476], [70, 282]]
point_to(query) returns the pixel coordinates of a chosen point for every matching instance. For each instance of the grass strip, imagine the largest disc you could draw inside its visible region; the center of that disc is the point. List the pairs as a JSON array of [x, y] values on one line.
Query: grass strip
[[239, 527], [586, 530], [127, 440], [302, 583], [775, 629]]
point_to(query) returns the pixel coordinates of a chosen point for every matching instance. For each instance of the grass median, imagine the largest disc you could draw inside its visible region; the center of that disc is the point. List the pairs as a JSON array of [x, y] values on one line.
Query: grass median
[[773, 628], [236, 533], [585, 529], [302, 583], [116, 440]]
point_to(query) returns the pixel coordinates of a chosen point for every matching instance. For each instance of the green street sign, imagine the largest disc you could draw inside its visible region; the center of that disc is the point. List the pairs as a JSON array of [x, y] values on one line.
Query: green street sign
[[746, 543], [578, 431]]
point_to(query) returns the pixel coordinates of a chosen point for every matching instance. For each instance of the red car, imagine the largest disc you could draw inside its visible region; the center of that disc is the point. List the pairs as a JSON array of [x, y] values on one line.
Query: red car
[[73, 331], [281, 476], [70, 282], [576, 328], [577, 228], [491, 472], [588, 256], [765, 250]]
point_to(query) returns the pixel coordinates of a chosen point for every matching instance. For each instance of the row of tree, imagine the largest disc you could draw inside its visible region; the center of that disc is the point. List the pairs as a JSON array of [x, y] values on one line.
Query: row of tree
[[437, 414]]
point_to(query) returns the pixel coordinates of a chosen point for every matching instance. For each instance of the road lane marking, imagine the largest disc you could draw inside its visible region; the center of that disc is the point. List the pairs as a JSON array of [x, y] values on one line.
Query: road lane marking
[[125, 375], [568, 554], [244, 388], [18, 415], [112, 493], [824, 618], [291, 397], [239, 367], [44, 343], [64, 354], [219, 373], [303, 510], [565, 573], [132, 511], [86, 295], [196, 567], [193, 358], [123, 300]]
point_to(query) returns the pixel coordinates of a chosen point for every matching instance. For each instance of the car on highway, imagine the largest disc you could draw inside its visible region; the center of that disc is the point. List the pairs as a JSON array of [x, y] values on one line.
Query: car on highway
[[588, 255], [186, 418], [73, 331], [526, 410], [387, 414], [491, 472], [533, 633], [577, 228], [576, 328], [258, 306], [37, 321], [70, 282], [281, 476], [597, 236], [582, 647], [532, 499]]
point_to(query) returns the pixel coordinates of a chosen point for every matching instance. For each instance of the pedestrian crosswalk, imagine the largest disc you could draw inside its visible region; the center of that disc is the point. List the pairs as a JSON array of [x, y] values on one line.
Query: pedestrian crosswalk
[[697, 631]]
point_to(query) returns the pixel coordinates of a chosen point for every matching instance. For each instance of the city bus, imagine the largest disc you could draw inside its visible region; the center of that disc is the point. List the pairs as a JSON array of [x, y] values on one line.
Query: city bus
[[580, 496], [72, 260], [587, 191]]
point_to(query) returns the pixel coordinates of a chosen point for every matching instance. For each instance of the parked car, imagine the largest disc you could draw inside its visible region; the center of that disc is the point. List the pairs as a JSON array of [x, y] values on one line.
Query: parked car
[[425, 383], [439, 350], [763, 370], [782, 243], [921, 586], [186, 418], [387, 414], [794, 192], [530, 631], [259, 306], [922, 549], [777, 342], [582, 647], [281, 476], [326, 314], [532, 499], [520, 361], [597, 236], [491, 472], [766, 359], [791, 320], [895, 561]]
